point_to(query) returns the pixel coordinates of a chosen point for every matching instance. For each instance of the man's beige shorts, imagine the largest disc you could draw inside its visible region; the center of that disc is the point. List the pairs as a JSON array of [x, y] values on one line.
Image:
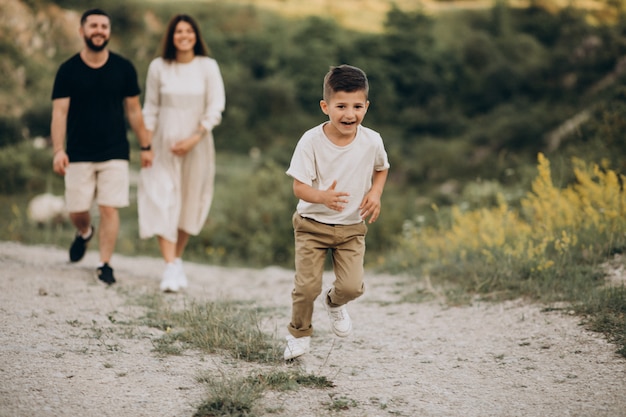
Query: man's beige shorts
[[105, 182]]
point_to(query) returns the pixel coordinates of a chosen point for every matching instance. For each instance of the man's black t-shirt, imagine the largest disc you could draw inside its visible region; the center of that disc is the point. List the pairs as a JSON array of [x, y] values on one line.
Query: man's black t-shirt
[[96, 127]]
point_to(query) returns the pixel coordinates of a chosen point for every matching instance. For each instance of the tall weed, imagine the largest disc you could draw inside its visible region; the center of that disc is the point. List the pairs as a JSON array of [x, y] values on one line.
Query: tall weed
[[553, 240]]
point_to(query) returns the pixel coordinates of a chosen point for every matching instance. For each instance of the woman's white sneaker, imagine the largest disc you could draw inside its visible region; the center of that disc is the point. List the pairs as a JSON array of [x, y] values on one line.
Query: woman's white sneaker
[[170, 280], [182, 278]]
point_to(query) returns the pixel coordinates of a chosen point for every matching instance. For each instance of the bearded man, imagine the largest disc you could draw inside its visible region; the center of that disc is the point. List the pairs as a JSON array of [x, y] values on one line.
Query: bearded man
[[93, 92]]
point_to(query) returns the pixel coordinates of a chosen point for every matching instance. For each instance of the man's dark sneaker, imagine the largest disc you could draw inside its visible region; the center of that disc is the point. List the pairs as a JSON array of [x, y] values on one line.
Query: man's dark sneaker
[[79, 246], [105, 274]]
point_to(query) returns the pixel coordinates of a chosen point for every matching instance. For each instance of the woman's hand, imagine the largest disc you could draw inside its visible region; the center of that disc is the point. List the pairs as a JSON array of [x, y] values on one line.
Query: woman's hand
[[182, 147]]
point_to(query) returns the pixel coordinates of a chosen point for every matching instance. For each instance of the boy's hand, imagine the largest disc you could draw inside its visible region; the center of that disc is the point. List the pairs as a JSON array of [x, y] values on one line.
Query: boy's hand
[[370, 206], [334, 199]]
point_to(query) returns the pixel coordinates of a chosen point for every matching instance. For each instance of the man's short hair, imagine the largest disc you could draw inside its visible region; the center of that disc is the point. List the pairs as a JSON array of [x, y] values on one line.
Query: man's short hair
[[90, 12], [345, 78]]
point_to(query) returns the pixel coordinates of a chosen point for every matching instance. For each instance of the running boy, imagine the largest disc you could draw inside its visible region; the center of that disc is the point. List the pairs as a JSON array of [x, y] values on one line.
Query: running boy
[[339, 170]]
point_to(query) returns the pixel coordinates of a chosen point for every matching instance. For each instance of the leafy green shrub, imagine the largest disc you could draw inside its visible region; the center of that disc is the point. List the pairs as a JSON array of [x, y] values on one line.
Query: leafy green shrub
[[24, 169], [602, 137], [251, 216], [553, 241], [10, 131], [37, 120]]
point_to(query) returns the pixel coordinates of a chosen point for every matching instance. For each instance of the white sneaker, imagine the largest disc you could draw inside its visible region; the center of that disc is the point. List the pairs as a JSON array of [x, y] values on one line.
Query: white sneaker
[[182, 278], [296, 346], [340, 320], [169, 282]]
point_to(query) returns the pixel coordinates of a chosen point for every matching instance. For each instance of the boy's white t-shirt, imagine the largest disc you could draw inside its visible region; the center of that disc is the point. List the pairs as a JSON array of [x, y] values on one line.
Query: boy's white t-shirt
[[318, 162]]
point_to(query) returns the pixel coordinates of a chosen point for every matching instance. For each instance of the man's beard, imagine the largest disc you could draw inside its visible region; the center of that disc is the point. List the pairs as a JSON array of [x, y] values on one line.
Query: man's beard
[[95, 48]]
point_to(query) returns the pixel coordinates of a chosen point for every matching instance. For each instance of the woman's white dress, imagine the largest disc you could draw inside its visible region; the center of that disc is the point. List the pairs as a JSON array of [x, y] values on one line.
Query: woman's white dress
[[176, 192]]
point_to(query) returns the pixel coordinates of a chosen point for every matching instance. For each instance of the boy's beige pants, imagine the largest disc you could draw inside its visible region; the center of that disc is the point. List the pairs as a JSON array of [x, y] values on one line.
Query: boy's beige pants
[[312, 242]]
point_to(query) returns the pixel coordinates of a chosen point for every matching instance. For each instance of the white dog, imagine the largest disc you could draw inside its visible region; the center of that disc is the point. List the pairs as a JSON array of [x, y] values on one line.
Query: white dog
[[47, 209]]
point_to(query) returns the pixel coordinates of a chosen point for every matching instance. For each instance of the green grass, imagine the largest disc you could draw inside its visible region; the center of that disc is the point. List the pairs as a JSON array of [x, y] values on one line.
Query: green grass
[[234, 397], [605, 312], [237, 396], [289, 380], [227, 328], [213, 327], [341, 403]]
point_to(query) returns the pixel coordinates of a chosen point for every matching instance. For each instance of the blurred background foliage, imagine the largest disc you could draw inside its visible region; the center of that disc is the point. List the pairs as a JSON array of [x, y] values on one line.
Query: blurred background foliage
[[464, 98]]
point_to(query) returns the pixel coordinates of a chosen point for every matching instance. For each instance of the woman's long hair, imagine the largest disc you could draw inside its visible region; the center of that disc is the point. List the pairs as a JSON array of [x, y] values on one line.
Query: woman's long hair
[[168, 50]]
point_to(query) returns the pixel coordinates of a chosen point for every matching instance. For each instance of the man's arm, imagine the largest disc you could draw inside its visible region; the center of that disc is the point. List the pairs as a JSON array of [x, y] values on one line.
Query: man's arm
[[135, 119], [58, 130]]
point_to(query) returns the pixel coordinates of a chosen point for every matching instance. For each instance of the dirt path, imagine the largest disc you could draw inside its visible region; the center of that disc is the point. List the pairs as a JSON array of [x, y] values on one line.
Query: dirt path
[[61, 355]]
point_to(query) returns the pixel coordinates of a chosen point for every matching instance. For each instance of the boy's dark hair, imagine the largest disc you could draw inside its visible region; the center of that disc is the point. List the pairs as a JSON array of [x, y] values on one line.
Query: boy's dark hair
[[168, 50], [90, 12], [345, 78]]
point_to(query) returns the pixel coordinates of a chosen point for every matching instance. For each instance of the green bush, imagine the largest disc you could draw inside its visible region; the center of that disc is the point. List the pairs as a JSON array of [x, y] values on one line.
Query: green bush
[[24, 169], [10, 131], [251, 216], [37, 120]]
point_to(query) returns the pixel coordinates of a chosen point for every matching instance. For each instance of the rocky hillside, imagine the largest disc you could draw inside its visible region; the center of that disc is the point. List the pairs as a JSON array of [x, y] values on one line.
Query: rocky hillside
[[32, 42]]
